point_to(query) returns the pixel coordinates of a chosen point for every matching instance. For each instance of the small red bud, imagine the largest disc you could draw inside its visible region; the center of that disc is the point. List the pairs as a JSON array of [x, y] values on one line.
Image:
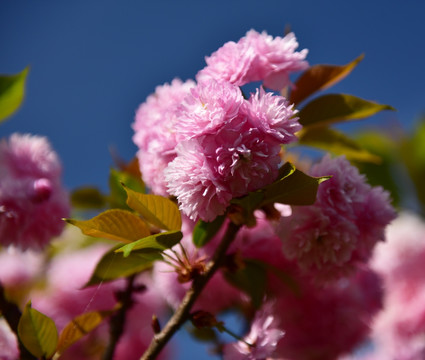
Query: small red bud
[[155, 324]]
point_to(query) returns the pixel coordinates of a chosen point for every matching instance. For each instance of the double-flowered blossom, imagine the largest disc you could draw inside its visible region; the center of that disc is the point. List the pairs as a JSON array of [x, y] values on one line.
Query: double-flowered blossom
[[229, 146], [256, 57], [32, 199], [325, 322], [154, 132], [331, 237], [205, 143]]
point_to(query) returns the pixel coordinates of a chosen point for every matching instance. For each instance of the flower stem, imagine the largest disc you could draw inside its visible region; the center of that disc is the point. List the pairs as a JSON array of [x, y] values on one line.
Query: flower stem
[[183, 311], [222, 328]]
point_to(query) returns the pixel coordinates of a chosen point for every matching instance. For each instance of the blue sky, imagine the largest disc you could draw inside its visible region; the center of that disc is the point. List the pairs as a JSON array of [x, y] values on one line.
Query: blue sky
[[93, 62]]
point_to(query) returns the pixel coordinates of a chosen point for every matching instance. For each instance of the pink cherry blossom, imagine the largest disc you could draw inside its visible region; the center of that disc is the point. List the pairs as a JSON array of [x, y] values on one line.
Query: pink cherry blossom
[[323, 323], [322, 245], [332, 237], [276, 58], [400, 259], [154, 131], [399, 329], [263, 338], [208, 107], [274, 116], [32, 199], [195, 184], [212, 169], [19, 270], [230, 63], [255, 57]]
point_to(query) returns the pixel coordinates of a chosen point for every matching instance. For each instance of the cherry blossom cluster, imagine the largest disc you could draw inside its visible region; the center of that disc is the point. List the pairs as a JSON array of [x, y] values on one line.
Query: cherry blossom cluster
[[204, 142]]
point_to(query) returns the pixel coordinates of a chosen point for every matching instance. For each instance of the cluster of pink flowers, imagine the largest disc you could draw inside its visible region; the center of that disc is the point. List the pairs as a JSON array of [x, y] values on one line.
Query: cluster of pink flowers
[[205, 143], [301, 319], [332, 237], [32, 199]]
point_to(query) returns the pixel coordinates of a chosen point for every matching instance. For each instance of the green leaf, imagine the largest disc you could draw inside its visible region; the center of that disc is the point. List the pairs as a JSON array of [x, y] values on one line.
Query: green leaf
[[118, 196], [37, 332], [114, 224], [412, 151], [12, 89], [159, 242], [387, 172], [328, 109], [320, 77], [336, 142], [79, 327], [205, 231], [251, 279], [87, 198], [114, 265], [296, 188], [157, 210]]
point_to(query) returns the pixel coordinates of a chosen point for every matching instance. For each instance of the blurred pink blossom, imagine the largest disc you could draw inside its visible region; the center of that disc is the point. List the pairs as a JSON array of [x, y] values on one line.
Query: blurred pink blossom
[[8, 342], [65, 297], [338, 232], [32, 199], [264, 336], [399, 329], [19, 270], [323, 323]]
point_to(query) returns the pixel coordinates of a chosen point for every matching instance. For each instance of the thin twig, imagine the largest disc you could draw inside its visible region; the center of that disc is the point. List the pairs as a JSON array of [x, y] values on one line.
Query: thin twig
[[183, 311], [117, 321]]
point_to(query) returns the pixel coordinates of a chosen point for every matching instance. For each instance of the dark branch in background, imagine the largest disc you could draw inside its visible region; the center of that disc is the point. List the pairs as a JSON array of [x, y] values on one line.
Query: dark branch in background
[[117, 321], [12, 315], [183, 312]]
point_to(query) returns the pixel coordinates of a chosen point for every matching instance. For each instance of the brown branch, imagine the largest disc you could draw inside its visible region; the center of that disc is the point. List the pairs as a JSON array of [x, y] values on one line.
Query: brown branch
[[117, 321], [12, 315], [198, 284]]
